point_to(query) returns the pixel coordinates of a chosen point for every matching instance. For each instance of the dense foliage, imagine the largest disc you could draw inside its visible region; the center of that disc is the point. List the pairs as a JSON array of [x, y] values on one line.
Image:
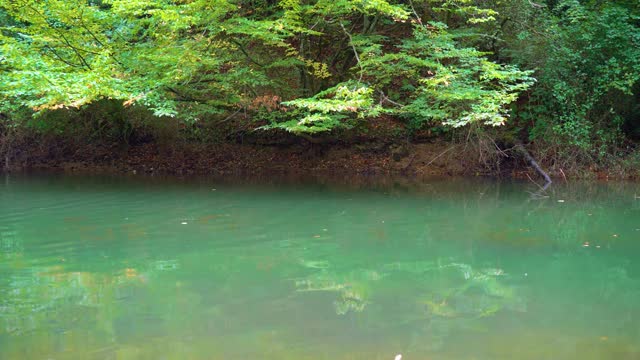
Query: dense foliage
[[587, 57], [332, 60], [566, 71]]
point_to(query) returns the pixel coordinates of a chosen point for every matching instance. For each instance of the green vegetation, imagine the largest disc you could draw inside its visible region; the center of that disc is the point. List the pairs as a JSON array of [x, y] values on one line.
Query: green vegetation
[[561, 75], [587, 57]]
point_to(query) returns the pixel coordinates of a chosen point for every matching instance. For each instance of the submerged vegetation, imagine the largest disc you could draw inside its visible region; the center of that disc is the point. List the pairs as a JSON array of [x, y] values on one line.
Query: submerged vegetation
[[562, 76]]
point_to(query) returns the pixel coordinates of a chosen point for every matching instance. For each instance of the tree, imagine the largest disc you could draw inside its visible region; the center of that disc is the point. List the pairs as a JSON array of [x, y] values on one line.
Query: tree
[[330, 62], [587, 60]]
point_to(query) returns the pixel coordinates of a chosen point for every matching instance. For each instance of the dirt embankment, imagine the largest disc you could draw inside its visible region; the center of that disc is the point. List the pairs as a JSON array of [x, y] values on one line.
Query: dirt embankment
[[432, 157], [436, 158]]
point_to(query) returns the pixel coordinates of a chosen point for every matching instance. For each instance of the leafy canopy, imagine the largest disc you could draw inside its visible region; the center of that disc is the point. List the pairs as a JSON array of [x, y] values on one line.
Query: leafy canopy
[[329, 63]]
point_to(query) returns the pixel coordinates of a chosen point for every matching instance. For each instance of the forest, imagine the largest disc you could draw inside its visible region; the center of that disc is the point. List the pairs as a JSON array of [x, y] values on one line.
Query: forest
[[560, 78], [319, 179]]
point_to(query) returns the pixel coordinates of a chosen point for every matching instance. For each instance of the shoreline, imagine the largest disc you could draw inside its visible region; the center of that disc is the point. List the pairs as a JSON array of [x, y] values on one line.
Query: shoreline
[[231, 158], [437, 159]]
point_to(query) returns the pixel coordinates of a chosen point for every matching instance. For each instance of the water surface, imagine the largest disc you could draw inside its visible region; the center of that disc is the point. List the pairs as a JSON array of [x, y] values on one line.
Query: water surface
[[140, 268]]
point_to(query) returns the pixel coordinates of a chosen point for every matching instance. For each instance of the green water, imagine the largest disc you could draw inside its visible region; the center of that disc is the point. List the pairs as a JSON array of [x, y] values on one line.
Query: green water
[[95, 268]]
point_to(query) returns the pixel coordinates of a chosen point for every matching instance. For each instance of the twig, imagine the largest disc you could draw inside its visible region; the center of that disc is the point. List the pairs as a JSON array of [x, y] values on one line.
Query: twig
[[64, 38], [246, 54], [533, 181], [500, 151], [466, 142], [563, 175], [386, 98], [355, 51], [413, 157], [231, 116], [415, 13], [539, 6], [442, 153], [84, 26], [54, 52]]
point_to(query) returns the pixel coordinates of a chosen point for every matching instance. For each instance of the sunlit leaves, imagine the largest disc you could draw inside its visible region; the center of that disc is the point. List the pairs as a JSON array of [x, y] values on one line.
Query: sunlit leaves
[[445, 83], [335, 61], [465, 8], [344, 98], [326, 110]]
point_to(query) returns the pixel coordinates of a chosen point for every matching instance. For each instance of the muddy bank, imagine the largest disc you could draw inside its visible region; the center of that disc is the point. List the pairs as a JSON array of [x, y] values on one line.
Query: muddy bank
[[427, 159], [434, 158]]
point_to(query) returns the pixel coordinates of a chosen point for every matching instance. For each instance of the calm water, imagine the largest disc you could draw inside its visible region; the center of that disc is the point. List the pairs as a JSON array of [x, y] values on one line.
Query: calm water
[[96, 268]]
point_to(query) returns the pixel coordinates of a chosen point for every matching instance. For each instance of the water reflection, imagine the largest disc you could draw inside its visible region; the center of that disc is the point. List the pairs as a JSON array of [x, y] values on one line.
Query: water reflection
[[128, 269]]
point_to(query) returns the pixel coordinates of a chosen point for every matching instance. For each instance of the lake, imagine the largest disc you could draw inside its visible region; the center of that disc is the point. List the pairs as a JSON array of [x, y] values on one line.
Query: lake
[[147, 268]]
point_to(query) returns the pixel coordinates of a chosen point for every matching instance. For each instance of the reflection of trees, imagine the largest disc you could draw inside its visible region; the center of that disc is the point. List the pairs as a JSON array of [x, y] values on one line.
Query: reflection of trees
[[448, 290], [353, 287], [480, 293], [48, 295], [429, 267]]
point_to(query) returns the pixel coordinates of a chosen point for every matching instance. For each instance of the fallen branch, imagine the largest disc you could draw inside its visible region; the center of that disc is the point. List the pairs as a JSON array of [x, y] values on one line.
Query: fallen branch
[[535, 165], [442, 153], [413, 157]]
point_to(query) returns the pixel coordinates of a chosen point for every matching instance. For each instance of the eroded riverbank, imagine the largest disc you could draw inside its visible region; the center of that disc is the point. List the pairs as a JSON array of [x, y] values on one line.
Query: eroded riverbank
[[427, 159]]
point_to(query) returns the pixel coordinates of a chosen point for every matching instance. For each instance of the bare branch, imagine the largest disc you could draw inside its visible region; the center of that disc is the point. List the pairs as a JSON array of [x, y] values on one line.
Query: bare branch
[[415, 13], [355, 51], [384, 97], [539, 6]]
